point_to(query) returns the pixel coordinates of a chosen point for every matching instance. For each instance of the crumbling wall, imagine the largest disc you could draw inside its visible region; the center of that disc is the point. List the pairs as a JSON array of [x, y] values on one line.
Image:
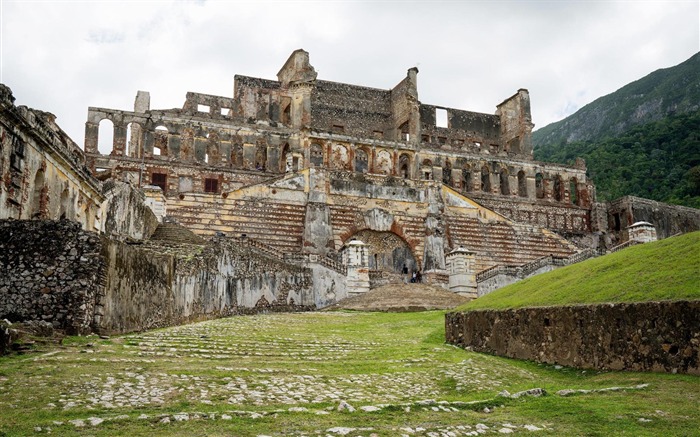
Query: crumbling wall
[[126, 214], [49, 271], [155, 285], [668, 219], [648, 336]]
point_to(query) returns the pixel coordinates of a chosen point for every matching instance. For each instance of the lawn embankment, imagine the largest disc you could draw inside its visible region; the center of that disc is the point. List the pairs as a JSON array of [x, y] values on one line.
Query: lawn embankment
[[664, 270]]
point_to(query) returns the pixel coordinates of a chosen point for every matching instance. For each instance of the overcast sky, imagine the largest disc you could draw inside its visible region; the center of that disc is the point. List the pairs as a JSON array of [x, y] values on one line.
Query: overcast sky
[[63, 56]]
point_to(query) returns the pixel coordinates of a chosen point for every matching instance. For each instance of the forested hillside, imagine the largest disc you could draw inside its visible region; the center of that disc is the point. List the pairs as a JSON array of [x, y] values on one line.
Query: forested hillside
[[659, 161]]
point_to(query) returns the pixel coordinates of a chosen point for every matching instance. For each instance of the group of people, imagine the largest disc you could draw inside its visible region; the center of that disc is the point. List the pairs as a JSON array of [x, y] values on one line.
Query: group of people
[[415, 276]]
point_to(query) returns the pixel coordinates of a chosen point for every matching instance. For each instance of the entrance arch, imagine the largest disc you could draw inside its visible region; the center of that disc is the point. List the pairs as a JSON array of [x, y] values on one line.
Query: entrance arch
[[387, 251]]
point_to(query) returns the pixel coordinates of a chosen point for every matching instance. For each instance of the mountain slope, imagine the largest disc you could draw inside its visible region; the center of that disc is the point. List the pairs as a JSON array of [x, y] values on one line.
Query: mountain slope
[[667, 91]]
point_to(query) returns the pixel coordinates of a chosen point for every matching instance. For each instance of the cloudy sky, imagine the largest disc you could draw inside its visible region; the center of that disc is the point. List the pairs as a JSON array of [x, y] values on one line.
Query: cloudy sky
[[62, 56]]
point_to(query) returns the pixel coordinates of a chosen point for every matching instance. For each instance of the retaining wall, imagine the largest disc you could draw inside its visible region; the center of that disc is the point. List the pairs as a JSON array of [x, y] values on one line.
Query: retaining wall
[[650, 336]]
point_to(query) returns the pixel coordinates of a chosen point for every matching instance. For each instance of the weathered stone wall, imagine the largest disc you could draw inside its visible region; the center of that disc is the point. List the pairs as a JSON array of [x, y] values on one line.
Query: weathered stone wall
[[42, 171], [649, 336], [49, 271], [126, 214], [667, 219], [155, 285]]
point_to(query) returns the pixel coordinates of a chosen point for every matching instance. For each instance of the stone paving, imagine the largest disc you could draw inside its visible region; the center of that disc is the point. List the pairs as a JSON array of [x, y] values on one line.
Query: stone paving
[[240, 367]]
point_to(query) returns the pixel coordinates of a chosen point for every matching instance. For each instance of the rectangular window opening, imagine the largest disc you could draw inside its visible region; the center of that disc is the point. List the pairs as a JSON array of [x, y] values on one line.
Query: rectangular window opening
[[203, 108], [211, 185], [441, 117], [338, 128], [159, 180], [226, 112]]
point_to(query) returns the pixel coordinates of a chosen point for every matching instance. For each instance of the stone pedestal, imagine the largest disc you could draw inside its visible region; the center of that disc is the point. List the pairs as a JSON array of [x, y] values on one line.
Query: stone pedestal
[[356, 259], [460, 265], [643, 232]]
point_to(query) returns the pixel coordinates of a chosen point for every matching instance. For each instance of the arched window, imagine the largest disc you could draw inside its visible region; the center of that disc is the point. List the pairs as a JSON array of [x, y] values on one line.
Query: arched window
[[505, 183], [404, 166], [539, 186], [361, 162], [38, 204], [261, 157], [427, 169], [485, 179], [557, 189], [522, 184], [64, 210], [467, 180], [285, 164], [573, 191], [316, 157], [105, 137], [160, 141], [447, 173]]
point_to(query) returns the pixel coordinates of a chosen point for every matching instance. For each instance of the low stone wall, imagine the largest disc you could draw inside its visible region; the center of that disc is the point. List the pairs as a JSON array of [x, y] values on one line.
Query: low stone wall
[[49, 271], [650, 336]]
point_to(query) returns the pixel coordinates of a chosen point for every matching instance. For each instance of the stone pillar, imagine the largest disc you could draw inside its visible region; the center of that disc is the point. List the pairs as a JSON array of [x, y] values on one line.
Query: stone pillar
[[355, 259], [460, 264]]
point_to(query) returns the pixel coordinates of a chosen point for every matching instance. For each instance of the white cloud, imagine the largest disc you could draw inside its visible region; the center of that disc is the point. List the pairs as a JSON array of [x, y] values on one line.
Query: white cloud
[[65, 56]]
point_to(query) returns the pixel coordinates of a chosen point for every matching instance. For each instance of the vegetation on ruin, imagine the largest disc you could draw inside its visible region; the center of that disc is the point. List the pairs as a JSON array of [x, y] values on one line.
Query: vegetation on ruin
[[663, 270], [658, 161], [286, 374]]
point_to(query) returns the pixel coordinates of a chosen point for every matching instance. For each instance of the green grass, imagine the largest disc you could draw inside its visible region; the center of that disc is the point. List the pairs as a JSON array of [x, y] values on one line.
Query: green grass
[[363, 358], [663, 270]]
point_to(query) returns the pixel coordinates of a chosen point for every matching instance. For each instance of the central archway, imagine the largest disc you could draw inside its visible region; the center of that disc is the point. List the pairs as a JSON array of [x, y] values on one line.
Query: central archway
[[387, 251]]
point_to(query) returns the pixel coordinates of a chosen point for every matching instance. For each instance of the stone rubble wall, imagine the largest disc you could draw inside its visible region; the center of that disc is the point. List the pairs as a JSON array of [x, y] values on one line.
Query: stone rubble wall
[[49, 271], [648, 336]]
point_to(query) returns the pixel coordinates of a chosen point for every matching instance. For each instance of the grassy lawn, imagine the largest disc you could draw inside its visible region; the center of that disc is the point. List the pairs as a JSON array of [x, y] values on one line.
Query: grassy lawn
[[664, 270], [286, 374]]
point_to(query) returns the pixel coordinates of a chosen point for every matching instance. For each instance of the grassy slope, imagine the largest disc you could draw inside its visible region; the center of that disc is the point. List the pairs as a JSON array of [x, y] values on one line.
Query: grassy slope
[[664, 270]]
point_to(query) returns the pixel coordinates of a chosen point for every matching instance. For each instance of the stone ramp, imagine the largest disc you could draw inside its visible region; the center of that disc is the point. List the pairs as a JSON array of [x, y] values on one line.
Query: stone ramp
[[402, 298]]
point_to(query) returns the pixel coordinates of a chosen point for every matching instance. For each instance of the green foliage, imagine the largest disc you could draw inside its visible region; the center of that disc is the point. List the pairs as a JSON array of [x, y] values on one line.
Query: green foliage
[[658, 161], [663, 270]]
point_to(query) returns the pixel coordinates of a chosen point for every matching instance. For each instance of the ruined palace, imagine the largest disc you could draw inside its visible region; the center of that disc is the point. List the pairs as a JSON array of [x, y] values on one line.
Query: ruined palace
[[298, 191]]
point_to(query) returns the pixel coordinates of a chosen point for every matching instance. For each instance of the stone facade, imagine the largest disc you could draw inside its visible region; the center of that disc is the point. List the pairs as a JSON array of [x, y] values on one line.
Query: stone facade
[[650, 336], [43, 171]]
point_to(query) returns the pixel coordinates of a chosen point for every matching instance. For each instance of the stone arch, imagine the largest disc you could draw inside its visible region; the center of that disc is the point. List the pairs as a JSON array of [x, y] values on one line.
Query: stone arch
[[573, 191], [105, 136], [447, 173], [237, 156], [37, 207], [160, 140], [504, 182], [557, 188], [383, 163], [387, 251], [285, 163], [340, 158], [485, 179], [316, 155], [427, 169], [522, 184], [405, 166], [467, 184], [361, 160], [64, 211], [539, 186], [260, 157]]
